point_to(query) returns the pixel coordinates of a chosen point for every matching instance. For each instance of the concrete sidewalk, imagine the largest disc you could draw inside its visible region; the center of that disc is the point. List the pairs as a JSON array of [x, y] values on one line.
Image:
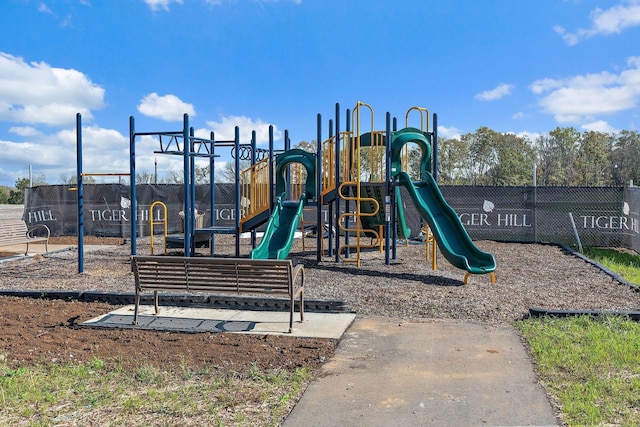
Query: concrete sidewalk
[[15, 252], [433, 373]]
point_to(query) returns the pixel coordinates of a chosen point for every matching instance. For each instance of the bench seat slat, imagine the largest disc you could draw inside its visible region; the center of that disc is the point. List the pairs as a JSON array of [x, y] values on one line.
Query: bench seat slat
[[14, 232]]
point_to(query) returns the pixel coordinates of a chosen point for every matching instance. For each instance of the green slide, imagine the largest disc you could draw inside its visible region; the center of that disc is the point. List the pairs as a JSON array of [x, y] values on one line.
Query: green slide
[[283, 222], [404, 232], [280, 230], [452, 238]]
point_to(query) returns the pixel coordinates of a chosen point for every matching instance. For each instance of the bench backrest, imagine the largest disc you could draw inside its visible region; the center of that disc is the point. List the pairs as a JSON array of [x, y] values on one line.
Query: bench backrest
[[211, 274], [10, 230]]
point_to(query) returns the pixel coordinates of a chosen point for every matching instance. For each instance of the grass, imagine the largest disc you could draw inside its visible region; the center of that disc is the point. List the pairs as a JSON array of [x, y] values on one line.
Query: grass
[[591, 365], [93, 394], [625, 264]]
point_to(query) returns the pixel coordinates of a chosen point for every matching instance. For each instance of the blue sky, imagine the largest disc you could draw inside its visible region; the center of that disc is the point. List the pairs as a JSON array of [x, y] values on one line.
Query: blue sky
[[513, 65]]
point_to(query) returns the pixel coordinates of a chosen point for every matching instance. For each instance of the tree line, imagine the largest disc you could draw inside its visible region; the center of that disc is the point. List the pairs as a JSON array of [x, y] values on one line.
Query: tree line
[[563, 157]]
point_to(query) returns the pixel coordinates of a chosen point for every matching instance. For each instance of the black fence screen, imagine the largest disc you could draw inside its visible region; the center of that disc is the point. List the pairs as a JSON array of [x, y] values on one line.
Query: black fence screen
[[599, 216]]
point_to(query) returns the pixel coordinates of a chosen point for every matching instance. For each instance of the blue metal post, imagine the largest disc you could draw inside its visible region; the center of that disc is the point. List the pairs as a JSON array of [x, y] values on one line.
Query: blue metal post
[[188, 214], [394, 205], [132, 184], [192, 169], [212, 185], [336, 220], [272, 180], [388, 205], [79, 193], [238, 206], [287, 147], [434, 147], [319, 223]]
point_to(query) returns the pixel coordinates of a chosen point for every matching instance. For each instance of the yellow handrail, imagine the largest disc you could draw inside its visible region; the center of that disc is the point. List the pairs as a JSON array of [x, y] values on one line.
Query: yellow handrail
[[424, 127], [328, 165], [424, 118], [163, 222], [254, 190]]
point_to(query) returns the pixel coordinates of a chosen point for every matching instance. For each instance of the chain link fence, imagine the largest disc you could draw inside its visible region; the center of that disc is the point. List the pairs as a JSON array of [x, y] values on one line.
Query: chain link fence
[[599, 216]]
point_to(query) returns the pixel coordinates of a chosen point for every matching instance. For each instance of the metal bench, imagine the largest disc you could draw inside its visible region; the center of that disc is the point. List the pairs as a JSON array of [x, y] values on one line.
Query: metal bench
[[14, 232], [218, 275]]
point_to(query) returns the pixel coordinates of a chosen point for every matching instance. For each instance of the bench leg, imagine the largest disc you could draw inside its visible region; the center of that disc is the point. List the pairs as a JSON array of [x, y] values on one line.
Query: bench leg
[[292, 306], [135, 310], [155, 301], [302, 306]]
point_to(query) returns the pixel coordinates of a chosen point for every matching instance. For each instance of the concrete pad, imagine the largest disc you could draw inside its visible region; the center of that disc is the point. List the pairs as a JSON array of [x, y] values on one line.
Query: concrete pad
[[433, 373], [187, 319]]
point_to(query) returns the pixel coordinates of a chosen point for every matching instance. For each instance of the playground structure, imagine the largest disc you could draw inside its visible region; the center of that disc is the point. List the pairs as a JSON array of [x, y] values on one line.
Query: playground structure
[[354, 178]]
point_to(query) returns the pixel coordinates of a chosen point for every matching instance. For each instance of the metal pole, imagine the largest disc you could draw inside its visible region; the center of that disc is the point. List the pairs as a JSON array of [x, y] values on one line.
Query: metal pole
[[318, 172], [272, 178], [319, 176], [575, 232], [336, 227], [388, 206], [79, 193], [238, 207], [212, 189], [253, 162], [535, 202], [347, 205], [394, 205], [287, 147], [132, 184], [188, 213], [435, 147]]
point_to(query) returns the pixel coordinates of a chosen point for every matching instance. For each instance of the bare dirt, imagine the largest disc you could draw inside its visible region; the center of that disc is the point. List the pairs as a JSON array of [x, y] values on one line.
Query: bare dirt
[[528, 275], [41, 331]]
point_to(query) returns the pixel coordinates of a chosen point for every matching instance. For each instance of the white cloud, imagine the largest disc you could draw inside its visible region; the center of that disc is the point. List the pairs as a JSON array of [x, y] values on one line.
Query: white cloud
[[531, 136], [54, 155], [25, 131], [43, 8], [156, 5], [498, 92], [38, 93], [448, 132], [168, 107], [517, 116], [584, 97], [599, 126], [610, 21], [225, 129]]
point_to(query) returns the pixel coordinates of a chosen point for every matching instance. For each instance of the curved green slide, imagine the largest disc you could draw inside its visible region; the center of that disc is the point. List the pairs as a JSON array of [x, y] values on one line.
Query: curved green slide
[[404, 232], [280, 230], [452, 238], [282, 225]]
